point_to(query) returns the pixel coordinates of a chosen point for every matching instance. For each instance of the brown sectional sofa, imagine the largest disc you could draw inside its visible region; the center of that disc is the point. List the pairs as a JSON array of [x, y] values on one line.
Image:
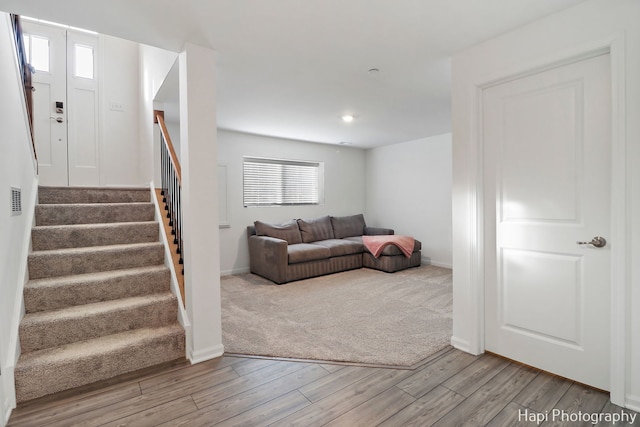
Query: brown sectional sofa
[[306, 248]]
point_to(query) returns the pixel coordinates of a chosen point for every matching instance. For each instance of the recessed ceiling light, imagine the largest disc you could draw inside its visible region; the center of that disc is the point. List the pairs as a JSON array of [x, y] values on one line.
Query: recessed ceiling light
[[347, 118]]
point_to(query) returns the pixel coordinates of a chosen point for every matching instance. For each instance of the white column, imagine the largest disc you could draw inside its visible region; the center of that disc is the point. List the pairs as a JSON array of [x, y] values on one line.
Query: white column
[[199, 159]]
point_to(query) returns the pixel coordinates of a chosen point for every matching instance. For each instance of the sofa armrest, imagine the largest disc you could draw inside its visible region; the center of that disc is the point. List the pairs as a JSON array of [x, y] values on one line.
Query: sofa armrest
[[268, 257], [377, 231]]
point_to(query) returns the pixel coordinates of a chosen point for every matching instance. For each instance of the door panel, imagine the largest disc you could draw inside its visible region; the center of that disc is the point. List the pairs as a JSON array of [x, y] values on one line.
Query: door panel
[[50, 136], [82, 90], [547, 186]]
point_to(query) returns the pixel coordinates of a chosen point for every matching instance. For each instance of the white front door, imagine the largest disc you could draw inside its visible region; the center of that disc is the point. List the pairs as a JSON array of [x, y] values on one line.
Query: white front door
[[65, 104], [47, 50], [547, 186]]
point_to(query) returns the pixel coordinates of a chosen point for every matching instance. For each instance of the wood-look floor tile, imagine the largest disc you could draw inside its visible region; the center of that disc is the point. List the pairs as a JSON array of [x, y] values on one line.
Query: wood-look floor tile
[[332, 367], [578, 399], [610, 408], [451, 387], [345, 399], [189, 372], [156, 415], [149, 400], [375, 410], [70, 407], [434, 374], [543, 393], [516, 415], [475, 375], [249, 365], [337, 381], [212, 395], [239, 403], [269, 412], [426, 410], [485, 403]]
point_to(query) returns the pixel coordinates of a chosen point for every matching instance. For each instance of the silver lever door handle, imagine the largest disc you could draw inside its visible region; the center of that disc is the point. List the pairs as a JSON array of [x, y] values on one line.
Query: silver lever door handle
[[57, 119], [598, 242]]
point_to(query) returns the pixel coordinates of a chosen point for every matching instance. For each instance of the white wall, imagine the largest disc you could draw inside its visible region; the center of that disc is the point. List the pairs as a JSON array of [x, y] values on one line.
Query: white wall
[[588, 24], [199, 203], [17, 169], [154, 65], [408, 188], [119, 84], [344, 188]]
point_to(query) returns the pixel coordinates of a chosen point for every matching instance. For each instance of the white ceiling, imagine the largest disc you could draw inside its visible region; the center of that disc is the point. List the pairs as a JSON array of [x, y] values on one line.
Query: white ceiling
[[291, 68]]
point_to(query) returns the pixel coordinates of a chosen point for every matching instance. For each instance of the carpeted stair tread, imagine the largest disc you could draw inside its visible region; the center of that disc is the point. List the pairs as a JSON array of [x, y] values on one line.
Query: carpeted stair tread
[[65, 262], [51, 370], [50, 237], [58, 327], [53, 293], [48, 195], [98, 300], [93, 213]]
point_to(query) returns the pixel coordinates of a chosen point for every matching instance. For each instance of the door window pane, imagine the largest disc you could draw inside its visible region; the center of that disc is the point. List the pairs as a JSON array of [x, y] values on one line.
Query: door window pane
[[83, 61], [37, 52]]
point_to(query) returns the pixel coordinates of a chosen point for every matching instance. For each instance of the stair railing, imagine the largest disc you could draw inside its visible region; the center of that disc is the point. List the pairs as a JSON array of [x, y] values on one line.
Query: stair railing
[[171, 185], [25, 71]]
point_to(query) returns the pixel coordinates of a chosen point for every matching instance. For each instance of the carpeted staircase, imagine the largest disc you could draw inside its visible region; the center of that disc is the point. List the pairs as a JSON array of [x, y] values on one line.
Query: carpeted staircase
[[98, 301]]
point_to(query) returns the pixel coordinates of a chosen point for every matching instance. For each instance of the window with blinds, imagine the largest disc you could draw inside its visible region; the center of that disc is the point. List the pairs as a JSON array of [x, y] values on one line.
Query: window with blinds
[[272, 182]]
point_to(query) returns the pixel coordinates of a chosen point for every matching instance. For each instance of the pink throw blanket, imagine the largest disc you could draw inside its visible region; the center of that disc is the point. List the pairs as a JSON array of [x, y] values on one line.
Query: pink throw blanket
[[376, 244]]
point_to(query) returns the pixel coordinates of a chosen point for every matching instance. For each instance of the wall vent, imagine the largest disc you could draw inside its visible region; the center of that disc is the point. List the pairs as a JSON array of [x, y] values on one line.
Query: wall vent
[[16, 201]]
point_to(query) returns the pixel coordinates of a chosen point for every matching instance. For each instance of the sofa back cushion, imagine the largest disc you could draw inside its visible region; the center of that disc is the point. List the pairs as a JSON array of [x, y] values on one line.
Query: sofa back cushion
[[348, 226], [289, 231], [315, 229]]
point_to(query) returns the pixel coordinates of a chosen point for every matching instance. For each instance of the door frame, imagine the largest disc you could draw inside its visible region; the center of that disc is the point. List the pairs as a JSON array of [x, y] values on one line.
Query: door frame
[[620, 198]]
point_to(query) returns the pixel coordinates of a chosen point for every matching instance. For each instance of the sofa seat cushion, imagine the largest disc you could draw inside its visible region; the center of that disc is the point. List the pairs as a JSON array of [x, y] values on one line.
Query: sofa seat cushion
[[341, 247], [388, 250], [348, 226], [289, 231], [303, 252], [315, 229]]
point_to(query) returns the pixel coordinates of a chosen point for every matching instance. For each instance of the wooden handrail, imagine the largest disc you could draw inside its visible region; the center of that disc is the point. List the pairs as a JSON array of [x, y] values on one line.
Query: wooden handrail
[[159, 118]]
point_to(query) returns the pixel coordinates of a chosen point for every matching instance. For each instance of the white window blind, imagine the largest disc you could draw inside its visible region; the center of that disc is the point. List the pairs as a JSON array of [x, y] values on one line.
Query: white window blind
[[270, 182]]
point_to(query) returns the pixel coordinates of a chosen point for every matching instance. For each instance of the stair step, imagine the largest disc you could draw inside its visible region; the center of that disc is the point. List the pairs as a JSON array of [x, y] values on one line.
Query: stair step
[[50, 237], [47, 329], [47, 195], [66, 291], [95, 213], [52, 370], [66, 262]]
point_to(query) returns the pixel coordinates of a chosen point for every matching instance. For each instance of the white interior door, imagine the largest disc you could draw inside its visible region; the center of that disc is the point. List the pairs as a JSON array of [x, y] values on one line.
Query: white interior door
[[547, 148], [66, 108]]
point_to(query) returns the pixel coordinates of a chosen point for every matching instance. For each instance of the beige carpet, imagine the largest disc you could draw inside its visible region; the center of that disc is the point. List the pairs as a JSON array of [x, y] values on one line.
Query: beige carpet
[[364, 316]]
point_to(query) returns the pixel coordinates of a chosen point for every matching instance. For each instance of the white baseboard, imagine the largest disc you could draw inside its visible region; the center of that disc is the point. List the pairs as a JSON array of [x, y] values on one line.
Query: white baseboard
[[8, 402], [441, 264], [428, 261], [234, 271], [462, 345], [632, 402], [206, 354]]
